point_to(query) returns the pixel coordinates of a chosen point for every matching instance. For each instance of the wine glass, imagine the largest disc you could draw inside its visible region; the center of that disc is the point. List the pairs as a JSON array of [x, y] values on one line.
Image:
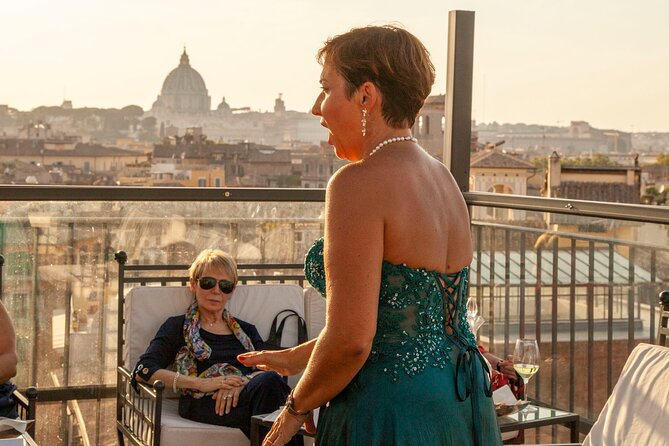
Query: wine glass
[[526, 362], [472, 312], [472, 308]]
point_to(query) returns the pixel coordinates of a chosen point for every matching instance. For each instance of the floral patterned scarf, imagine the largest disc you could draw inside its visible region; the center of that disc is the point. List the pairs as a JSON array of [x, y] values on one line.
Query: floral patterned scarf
[[196, 349]]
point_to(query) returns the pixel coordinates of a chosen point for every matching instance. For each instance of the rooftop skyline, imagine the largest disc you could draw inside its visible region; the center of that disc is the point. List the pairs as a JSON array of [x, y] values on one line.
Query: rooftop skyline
[[536, 61]]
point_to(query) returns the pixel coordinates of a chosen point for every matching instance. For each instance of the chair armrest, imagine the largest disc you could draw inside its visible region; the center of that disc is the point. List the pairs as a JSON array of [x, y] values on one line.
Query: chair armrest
[[138, 415], [27, 406]]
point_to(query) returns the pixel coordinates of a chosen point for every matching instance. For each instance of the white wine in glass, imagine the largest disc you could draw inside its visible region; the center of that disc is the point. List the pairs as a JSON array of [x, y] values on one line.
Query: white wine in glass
[[526, 360], [526, 371]]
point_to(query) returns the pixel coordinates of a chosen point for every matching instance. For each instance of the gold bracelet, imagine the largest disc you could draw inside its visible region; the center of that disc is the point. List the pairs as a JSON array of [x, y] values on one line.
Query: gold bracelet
[[290, 402], [174, 382]]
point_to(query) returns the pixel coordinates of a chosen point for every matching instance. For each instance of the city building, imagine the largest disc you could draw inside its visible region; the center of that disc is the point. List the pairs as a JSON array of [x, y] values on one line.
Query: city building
[[430, 124], [65, 161], [314, 165], [578, 138], [618, 183], [492, 170], [183, 92], [184, 102]]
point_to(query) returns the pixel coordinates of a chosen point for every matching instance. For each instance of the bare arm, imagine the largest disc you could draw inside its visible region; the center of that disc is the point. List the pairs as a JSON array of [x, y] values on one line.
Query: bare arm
[[8, 358], [286, 362], [353, 256], [206, 385]]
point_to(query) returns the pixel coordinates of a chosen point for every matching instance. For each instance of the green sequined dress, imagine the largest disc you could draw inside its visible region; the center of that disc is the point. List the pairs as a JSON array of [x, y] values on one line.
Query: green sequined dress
[[423, 384]]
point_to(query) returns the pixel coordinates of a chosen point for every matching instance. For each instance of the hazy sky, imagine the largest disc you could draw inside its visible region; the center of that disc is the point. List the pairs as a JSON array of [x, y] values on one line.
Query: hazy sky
[[536, 61]]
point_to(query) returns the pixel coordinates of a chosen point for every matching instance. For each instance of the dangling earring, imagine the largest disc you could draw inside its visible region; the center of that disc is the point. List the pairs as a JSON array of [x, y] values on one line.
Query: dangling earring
[[364, 121]]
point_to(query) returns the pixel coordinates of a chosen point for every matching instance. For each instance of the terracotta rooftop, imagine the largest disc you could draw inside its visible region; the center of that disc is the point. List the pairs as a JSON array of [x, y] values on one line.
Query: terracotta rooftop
[[496, 158], [590, 190]]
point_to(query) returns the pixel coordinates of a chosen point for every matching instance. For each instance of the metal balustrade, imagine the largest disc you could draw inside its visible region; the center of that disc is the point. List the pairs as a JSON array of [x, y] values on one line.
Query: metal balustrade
[[595, 295]]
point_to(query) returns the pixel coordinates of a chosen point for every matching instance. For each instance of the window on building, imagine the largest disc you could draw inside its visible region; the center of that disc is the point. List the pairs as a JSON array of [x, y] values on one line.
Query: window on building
[[217, 182], [201, 182]]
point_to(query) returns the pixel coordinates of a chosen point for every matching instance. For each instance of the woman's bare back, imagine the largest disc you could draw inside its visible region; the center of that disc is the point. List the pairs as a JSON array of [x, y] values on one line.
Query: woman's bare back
[[426, 221]]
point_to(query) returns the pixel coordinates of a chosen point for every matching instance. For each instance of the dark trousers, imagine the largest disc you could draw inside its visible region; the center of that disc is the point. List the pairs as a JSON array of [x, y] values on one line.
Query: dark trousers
[[265, 393], [7, 401]]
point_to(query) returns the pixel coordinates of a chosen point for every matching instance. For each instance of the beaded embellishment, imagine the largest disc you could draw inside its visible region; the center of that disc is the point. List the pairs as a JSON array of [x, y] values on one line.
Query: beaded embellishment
[[414, 304]]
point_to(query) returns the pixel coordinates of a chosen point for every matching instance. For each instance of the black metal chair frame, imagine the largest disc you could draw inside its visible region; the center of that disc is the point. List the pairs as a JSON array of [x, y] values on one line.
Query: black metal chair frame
[[26, 402], [27, 407], [138, 415]]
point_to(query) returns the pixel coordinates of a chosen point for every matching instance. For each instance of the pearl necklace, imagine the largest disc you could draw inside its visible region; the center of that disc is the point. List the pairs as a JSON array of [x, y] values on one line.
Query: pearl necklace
[[392, 140]]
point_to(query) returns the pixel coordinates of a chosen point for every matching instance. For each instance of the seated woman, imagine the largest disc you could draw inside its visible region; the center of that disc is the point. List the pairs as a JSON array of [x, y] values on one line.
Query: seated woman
[[203, 345], [8, 361]]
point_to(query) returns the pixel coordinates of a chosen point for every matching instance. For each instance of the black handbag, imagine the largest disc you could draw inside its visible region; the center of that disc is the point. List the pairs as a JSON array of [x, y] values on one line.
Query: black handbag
[[276, 331]]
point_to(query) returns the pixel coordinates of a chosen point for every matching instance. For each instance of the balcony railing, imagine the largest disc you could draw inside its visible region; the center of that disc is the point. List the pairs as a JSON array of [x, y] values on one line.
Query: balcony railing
[[580, 276]]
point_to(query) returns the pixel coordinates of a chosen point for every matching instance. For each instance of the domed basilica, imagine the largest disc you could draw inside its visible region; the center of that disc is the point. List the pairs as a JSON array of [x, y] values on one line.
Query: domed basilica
[[184, 102], [183, 91]]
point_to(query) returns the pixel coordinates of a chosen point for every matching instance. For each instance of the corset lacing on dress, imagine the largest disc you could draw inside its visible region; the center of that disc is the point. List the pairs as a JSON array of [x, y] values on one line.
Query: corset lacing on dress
[[421, 320], [465, 371]]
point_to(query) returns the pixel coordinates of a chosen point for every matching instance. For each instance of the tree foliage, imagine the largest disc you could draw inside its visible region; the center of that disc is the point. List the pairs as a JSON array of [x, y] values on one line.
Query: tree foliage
[[594, 161], [663, 159]]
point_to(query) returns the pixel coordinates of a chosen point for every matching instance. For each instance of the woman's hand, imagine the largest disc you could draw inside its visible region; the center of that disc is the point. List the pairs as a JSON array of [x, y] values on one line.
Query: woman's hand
[[226, 399], [209, 385], [506, 368], [286, 426], [280, 361]]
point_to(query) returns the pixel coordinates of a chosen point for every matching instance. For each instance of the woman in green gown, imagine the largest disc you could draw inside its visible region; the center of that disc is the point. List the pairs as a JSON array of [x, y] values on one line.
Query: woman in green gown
[[396, 362]]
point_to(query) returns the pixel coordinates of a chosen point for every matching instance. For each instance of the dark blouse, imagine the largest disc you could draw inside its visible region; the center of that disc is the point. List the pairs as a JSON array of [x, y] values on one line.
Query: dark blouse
[[170, 338]]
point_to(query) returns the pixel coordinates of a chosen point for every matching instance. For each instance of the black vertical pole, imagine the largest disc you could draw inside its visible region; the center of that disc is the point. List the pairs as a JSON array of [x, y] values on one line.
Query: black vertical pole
[[458, 107]]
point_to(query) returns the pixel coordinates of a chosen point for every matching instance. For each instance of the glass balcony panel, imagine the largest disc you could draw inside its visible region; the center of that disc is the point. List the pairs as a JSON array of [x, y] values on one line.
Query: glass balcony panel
[[585, 287], [60, 278]]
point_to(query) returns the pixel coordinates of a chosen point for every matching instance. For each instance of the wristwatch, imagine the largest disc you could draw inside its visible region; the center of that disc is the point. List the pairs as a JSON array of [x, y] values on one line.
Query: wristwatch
[[291, 410], [497, 366]]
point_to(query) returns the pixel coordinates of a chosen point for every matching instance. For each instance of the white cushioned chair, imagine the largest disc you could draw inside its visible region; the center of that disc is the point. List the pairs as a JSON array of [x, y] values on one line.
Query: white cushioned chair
[[637, 412], [314, 311], [151, 418]]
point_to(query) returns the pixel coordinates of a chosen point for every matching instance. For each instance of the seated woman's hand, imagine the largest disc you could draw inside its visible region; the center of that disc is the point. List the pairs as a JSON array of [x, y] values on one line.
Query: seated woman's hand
[[279, 361], [226, 399], [209, 385], [506, 368]]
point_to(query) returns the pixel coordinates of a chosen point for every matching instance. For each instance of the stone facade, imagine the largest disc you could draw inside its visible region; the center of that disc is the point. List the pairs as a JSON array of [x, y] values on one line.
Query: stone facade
[[498, 172]]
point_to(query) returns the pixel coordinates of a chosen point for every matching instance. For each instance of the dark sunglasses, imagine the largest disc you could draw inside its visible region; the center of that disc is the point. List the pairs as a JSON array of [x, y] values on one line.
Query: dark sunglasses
[[207, 283]]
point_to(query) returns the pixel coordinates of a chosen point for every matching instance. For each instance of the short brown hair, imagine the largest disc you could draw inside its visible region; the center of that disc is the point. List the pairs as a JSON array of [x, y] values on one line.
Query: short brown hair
[[216, 259], [391, 58]]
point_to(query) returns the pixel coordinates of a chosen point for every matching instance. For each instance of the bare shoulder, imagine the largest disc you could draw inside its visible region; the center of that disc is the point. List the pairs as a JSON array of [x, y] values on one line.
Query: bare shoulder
[[356, 181]]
